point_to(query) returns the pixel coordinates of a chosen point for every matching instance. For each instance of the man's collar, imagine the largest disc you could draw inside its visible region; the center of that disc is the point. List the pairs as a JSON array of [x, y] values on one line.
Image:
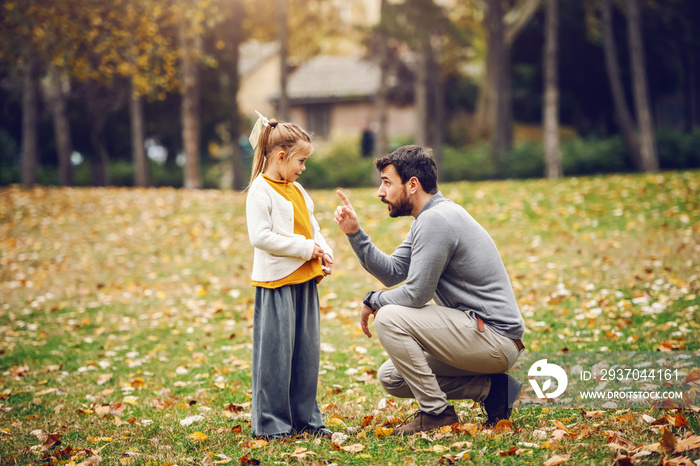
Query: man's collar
[[434, 199]]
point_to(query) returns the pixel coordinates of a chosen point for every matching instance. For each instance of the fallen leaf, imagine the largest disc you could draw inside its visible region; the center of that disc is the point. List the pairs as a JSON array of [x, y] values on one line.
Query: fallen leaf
[[246, 459], [692, 442], [94, 460], [510, 452], [299, 452], [382, 432], [680, 420], [354, 448], [198, 437], [556, 459], [504, 425], [668, 441]]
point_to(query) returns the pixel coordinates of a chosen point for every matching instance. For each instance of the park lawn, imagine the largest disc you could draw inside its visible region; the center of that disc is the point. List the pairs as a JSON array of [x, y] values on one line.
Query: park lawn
[[126, 323]]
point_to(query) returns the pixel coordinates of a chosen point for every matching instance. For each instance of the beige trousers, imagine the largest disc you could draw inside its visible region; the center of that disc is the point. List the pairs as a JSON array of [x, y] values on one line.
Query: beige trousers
[[439, 354]]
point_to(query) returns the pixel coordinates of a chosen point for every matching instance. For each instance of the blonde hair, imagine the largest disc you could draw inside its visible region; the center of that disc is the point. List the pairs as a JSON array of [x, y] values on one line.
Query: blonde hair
[[287, 136]]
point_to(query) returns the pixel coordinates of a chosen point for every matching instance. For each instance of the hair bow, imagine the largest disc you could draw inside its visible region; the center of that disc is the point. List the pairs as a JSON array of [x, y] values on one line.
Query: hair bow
[[257, 129]]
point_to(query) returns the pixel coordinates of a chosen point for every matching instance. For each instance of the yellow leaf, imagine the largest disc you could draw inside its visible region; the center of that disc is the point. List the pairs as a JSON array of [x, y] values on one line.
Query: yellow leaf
[[258, 443], [382, 432], [336, 420], [198, 436], [131, 400]]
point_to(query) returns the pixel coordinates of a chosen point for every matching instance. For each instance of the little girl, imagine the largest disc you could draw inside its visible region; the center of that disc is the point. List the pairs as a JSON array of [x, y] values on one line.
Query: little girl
[[290, 257]]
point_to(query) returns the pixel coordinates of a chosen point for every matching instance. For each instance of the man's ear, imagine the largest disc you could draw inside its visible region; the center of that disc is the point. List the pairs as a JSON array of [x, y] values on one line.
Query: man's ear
[[413, 185]]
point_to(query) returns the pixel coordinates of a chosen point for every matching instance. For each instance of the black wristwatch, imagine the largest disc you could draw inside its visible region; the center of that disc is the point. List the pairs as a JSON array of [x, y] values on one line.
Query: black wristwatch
[[367, 302]]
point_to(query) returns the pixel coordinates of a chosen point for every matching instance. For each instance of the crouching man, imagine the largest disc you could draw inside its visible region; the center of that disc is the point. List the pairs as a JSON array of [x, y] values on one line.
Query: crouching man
[[461, 347]]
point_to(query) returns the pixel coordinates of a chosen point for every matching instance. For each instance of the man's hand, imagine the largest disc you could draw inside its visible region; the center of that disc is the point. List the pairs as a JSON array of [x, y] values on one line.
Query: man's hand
[[345, 216], [364, 319]]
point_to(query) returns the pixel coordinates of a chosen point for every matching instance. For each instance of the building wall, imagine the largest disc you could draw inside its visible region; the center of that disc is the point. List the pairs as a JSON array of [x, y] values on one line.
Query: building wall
[[258, 87], [350, 119]]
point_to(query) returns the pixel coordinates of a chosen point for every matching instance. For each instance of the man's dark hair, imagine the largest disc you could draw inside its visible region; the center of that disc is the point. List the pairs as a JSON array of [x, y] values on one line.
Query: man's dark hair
[[410, 161]]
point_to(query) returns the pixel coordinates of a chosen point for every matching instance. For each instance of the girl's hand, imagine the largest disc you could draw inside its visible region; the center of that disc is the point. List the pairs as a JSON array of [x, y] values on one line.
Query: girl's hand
[[327, 264], [318, 252]]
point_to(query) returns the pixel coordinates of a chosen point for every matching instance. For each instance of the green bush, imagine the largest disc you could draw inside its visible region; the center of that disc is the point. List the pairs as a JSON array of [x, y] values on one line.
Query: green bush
[[592, 156], [678, 150], [339, 165], [526, 160], [472, 164]]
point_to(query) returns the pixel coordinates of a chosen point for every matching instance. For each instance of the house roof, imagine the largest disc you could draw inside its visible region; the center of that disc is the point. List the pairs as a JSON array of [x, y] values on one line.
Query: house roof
[[332, 77], [253, 54]]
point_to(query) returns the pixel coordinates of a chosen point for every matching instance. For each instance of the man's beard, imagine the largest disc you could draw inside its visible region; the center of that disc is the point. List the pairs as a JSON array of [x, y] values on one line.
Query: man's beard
[[402, 208]]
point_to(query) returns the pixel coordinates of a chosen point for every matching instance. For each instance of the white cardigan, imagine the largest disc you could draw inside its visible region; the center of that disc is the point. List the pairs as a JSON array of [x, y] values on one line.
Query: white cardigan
[[277, 250]]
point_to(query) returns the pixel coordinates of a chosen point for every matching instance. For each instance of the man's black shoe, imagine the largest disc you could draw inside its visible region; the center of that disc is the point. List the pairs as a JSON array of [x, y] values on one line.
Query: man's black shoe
[[504, 391]]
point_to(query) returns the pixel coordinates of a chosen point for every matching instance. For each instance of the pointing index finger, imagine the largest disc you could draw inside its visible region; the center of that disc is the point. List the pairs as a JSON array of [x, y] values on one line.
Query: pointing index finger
[[344, 198]]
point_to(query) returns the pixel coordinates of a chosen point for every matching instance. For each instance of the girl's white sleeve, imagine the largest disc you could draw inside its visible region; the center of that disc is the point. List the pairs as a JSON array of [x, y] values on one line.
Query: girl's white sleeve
[[318, 236], [259, 219]]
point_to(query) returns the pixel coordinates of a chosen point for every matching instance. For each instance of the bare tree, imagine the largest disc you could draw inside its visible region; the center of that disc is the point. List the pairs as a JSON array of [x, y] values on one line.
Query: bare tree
[[552, 149], [382, 145], [56, 91], [421, 87], [499, 92], [650, 159], [493, 118], [283, 109], [138, 149], [622, 113], [190, 108], [30, 122]]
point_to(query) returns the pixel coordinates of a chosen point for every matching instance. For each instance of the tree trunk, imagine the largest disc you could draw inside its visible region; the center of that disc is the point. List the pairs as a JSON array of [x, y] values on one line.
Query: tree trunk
[[421, 89], [650, 159], [688, 93], [622, 113], [382, 142], [190, 110], [30, 122], [500, 139], [514, 22], [283, 110], [141, 177], [552, 150], [56, 97], [438, 98], [239, 177], [99, 165]]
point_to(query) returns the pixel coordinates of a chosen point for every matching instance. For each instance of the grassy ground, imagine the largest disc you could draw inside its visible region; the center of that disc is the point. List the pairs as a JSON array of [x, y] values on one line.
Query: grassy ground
[[126, 323]]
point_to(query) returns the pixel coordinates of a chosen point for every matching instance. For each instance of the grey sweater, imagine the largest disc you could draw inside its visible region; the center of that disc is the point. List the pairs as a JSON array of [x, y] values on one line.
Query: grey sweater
[[447, 256]]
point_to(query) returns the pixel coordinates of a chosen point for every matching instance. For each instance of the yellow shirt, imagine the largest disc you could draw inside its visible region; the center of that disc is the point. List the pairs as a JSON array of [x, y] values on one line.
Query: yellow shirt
[[302, 226]]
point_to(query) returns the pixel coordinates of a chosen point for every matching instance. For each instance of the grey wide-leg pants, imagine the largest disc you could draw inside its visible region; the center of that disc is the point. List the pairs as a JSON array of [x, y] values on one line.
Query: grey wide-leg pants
[[286, 357], [438, 353]]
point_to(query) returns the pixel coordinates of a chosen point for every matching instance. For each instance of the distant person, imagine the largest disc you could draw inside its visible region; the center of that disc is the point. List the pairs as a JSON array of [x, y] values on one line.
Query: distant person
[[367, 142], [290, 257], [461, 347]]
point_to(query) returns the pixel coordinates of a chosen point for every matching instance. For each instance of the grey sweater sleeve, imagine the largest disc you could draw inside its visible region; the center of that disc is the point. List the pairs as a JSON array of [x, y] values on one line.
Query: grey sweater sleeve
[[388, 269], [420, 260]]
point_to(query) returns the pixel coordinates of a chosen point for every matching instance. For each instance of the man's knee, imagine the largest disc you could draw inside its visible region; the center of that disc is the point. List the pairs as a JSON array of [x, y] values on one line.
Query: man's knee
[[386, 318], [391, 381]]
